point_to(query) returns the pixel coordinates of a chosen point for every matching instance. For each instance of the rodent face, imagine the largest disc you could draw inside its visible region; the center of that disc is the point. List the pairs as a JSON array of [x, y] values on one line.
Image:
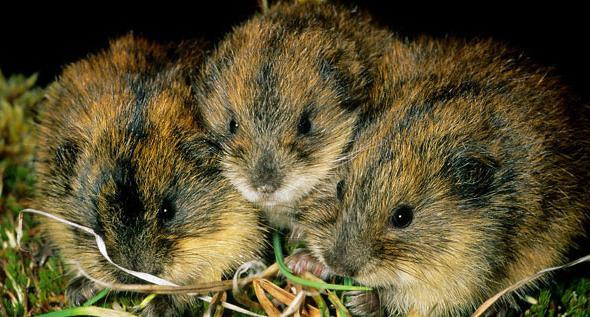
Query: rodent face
[[470, 182], [281, 104], [121, 153], [428, 206]]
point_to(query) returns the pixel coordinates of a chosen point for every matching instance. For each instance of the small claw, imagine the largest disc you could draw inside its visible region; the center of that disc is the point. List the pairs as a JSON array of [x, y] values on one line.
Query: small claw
[[302, 261], [79, 291], [361, 303]]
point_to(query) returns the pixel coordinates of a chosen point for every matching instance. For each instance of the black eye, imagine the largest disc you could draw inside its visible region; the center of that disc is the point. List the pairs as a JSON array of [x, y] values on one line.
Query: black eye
[[304, 125], [233, 126], [402, 216], [340, 190], [166, 211]]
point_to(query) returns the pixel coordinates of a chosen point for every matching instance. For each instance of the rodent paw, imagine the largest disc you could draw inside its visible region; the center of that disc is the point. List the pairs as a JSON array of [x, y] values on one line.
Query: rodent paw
[[79, 290], [302, 261], [171, 306], [159, 306], [361, 303]]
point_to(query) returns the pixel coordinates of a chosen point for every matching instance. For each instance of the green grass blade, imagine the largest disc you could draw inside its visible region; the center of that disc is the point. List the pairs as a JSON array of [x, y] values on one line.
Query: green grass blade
[[276, 241], [88, 311], [97, 297], [321, 305], [146, 301]]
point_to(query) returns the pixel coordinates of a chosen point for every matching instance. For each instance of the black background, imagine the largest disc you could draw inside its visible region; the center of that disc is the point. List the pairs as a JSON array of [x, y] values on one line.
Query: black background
[[44, 38]]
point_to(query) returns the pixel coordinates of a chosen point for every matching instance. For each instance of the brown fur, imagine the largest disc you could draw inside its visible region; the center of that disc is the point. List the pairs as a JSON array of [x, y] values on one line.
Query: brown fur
[[491, 153], [121, 152], [296, 62]]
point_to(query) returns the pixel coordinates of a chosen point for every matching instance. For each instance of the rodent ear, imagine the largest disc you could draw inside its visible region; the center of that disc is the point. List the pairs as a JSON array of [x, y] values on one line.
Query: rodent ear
[[340, 190], [53, 99], [351, 76], [200, 152], [66, 155], [472, 175], [304, 124]]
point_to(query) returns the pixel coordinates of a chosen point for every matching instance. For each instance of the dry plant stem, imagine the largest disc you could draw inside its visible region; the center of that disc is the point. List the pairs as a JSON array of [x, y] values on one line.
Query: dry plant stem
[[284, 296], [243, 299], [215, 307], [171, 291], [295, 306], [267, 305], [199, 289]]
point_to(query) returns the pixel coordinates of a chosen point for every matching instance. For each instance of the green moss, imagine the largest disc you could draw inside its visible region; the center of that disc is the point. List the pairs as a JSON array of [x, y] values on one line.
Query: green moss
[[29, 284], [18, 101], [567, 298]]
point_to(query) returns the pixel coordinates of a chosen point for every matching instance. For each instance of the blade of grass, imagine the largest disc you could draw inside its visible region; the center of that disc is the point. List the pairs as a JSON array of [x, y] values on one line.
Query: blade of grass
[[220, 309], [341, 310], [321, 305], [88, 311], [97, 297], [146, 301], [296, 279]]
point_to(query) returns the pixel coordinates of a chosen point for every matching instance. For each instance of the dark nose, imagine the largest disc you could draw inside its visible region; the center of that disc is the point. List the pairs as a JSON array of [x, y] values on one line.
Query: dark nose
[[344, 262], [136, 255], [137, 264], [350, 251], [267, 176]]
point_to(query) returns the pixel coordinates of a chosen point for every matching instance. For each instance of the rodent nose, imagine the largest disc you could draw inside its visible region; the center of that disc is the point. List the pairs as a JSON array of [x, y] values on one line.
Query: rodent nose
[[267, 189], [145, 266], [266, 176], [342, 263], [137, 257]]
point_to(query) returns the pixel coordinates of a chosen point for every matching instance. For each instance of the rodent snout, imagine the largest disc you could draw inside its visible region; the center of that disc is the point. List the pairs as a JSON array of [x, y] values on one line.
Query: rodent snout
[[137, 258], [341, 265], [266, 177], [343, 262]]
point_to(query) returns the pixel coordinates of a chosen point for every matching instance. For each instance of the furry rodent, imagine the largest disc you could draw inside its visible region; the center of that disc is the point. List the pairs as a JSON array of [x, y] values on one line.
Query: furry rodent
[[476, 177], [281, 95], [121, 153]]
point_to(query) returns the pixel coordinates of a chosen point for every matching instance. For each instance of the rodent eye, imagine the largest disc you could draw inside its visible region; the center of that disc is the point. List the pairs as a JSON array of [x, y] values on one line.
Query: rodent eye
[[402, 216], [233, 126], [304, 125], [166, 211], [340, 190]]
